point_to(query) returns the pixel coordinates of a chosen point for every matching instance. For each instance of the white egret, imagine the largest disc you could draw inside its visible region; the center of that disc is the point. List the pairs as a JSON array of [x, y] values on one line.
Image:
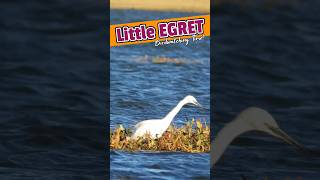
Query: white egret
[[156, 127], [251, 119]]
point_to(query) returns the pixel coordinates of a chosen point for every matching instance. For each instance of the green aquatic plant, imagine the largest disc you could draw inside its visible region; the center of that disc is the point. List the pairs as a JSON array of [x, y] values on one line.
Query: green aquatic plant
[[193, 137]]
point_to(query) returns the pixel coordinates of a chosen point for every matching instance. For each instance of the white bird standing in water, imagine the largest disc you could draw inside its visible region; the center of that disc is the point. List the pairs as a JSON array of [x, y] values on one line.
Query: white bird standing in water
[[156, 127], [251, 119]]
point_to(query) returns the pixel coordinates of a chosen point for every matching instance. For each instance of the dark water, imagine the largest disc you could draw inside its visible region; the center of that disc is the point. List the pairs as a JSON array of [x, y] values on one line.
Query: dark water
[[53, 97], [143, 90], [53, 91], [268, 56]]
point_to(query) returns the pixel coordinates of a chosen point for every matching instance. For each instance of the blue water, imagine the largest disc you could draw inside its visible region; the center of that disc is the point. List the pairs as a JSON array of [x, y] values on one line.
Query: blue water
[[52, 84], [140, 89], [53, 90], [268, 56]]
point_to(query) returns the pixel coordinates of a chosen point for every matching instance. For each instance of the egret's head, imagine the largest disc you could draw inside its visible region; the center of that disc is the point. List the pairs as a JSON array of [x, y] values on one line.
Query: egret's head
[[257, 119], [261, 120], [192, 100]]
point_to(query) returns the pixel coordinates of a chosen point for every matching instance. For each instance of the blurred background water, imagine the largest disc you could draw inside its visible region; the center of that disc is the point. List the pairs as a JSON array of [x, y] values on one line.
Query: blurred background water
[[53, 89], [53, 97], [267, 55], [142, 88]]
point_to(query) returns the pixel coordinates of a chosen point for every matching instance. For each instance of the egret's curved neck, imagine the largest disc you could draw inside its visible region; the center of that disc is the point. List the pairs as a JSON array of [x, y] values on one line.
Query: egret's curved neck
[[226, 136], [168, 118]]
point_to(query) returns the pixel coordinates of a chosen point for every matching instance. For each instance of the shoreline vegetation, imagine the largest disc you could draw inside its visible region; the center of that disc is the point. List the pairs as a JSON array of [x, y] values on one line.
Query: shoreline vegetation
[[194, 6], [199, 6], [193, 137]]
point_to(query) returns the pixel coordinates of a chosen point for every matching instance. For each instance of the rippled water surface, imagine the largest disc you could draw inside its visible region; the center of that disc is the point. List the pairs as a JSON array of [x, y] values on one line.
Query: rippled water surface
[[53, 90], [268, 57], [52, 76], [142, 89]]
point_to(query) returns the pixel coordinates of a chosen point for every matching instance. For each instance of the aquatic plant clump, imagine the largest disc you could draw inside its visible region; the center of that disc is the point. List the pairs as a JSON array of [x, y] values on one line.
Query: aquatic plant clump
[[193, 137]]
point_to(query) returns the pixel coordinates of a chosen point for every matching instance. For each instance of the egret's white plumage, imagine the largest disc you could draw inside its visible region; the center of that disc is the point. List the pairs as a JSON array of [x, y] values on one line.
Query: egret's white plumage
[[156, 127], [251, 119]]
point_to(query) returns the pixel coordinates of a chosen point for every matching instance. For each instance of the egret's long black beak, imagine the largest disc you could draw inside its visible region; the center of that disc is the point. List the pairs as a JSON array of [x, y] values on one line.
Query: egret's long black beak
[[201, 107], [286, 138], [198, 105]]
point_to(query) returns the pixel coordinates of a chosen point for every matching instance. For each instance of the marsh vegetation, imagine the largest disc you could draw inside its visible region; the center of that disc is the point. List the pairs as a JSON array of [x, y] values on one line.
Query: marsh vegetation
[[193, 137]]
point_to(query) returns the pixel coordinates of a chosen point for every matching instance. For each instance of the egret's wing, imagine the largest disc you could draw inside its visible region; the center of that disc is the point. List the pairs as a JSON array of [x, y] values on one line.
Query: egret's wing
[[137, 126], [141, 124]]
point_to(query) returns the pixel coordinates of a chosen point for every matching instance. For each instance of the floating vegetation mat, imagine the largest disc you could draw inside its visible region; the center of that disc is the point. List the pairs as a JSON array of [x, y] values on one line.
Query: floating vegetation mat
[[165, 60], [193, 137]]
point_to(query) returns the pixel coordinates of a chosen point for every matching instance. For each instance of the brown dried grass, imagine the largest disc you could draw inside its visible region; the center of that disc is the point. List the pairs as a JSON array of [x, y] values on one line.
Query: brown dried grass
[[193, 137]]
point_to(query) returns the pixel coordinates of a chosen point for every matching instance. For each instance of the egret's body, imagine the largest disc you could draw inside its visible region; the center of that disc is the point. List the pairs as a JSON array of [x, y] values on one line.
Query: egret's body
[[156, 127], [251, 119]]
